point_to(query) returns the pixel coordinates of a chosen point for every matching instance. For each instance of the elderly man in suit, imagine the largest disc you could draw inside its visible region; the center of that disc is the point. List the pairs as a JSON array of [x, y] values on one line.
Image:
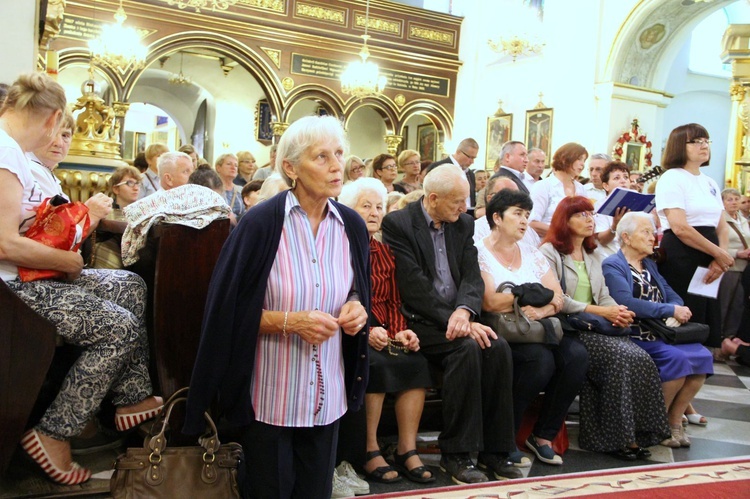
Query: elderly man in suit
[[441, 290], [464, 157]]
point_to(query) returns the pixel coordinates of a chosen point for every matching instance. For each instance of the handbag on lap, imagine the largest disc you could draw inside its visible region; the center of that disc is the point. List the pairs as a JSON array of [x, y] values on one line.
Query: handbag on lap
[[690, 332]]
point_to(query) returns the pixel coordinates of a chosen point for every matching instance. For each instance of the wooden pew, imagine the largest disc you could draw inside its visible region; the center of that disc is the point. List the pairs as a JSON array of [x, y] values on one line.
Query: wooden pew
[[28, 346]]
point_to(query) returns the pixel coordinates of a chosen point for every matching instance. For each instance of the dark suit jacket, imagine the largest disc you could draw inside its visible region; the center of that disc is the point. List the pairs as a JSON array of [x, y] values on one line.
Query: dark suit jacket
[[502, 172], [427, 313], [469, 176]]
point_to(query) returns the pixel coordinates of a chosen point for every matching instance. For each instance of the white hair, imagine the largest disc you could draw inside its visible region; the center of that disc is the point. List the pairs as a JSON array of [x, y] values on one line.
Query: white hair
[[168, 161], [273, 185], [442, 179], [629, 222], [303, 134], [352, 191]]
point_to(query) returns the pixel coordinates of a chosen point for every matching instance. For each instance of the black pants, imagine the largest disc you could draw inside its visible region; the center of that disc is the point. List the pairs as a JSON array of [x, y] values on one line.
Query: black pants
[[286, 462], [678, 269], [558, 372], [477, 395]]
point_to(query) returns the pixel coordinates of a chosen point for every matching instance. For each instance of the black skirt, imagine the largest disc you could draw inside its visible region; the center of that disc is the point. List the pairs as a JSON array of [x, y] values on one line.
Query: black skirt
[[394, 371]]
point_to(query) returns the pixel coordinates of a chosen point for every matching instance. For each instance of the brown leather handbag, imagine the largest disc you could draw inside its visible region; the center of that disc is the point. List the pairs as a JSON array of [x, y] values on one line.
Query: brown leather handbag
[[157, 471]]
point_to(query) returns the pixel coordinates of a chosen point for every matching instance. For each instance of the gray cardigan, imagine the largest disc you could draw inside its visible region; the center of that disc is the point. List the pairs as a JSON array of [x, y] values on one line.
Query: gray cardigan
[[593, 263]]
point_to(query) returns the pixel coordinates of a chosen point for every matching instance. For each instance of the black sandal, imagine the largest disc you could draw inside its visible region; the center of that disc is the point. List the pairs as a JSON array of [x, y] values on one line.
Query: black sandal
[[414, 474], [378, 474]]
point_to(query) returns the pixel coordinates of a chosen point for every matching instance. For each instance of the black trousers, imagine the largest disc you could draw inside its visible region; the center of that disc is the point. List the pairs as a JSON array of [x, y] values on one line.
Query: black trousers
[[286, 462], [679, 267], [477, 395], [558, 372]]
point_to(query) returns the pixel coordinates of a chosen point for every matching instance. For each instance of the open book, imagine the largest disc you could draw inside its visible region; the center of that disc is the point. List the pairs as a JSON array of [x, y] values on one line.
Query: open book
[[636, 201]]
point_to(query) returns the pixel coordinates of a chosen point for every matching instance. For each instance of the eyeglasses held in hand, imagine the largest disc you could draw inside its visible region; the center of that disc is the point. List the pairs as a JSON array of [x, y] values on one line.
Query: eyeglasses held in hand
[[130, 183]]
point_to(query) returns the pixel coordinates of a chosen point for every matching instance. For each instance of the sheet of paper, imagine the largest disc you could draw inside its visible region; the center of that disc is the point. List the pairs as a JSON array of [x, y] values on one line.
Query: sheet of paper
[[698, 287]]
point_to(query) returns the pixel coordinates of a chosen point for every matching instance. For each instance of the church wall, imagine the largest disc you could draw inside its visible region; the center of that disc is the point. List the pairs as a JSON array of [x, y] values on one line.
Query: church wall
[[17, 22]]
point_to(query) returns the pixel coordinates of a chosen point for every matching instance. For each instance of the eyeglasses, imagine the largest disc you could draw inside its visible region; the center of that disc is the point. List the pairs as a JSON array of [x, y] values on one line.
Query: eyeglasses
[[412, 163], [389, 167], [357, 169], [130, 183], [584, 214], [700, 142], [468, 155]]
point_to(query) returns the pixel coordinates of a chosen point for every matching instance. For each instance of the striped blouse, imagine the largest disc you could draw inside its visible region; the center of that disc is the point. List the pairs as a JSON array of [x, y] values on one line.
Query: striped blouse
[[294, 383], [386, 300]]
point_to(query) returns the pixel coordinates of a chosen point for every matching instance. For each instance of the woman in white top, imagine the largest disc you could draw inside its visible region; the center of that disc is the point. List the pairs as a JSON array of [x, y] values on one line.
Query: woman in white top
[[730, 289], [567, 165], [695, 235], [558, 371]]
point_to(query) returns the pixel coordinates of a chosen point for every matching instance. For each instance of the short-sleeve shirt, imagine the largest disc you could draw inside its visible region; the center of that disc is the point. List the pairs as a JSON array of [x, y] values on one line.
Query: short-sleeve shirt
[[698, 195], [13, 159], [546, 195]]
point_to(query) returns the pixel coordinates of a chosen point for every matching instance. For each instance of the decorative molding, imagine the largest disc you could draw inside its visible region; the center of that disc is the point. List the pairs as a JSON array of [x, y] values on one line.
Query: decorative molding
[[379, 24], [400, 100], [274, 55], [272, 5], [737, 92], [287, 83], [425, 33], [311, 11]]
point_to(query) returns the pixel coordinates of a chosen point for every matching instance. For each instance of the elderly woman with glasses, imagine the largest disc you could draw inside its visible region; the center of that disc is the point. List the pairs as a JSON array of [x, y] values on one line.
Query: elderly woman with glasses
[[354, 168], [634, 281], [622, 406], [408, 161], [284, 344], [384, 168], [395, 364], [695, 234]]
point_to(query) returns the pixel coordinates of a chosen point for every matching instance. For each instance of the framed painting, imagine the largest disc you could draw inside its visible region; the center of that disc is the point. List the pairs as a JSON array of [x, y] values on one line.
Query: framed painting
[[498, 133], [539, 130], [128, 146], [427, 141], [263, 129], [633, 155], [140, 143]]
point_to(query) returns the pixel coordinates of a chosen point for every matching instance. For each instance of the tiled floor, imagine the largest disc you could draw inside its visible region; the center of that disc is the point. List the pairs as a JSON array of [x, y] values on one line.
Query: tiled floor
[[724, 400]]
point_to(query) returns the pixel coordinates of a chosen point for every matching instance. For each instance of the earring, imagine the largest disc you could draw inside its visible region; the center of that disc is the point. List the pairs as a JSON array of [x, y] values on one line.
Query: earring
[[294, 183]]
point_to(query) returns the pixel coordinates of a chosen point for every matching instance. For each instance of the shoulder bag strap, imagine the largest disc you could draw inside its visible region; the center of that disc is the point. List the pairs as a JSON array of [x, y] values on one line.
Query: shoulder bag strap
[[739, 233]]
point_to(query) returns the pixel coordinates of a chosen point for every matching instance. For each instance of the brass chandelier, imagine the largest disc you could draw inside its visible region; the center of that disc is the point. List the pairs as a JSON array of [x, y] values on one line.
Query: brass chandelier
[[362, 78], [118, 46]]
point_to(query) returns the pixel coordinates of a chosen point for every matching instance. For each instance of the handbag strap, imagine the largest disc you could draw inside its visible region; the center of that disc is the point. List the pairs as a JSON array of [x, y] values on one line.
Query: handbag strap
[[739, 233], [157, 442], [520, 316]]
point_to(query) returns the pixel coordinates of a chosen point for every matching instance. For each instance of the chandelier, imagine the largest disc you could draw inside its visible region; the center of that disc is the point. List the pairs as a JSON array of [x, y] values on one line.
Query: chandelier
[[118, 47], [180, 78], [202, 4], [362, 78], [522, 37]]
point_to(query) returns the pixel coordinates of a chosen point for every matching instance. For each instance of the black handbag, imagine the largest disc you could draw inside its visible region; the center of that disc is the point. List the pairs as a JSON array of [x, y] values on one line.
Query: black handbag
[[689, 332], [515, 327], [208, 470]]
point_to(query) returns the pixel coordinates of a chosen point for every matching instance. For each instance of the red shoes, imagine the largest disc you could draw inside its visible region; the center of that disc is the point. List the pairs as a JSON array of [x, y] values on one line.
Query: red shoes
[[33, 447], [124, 422]]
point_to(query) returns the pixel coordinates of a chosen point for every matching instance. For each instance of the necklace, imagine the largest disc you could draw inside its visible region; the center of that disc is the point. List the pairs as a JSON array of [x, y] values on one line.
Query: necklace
[[502, 261]]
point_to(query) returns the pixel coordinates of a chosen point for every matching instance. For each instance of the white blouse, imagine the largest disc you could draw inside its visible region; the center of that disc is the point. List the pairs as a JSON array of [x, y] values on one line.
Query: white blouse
[[533, 265], [546, 195], [698, 195]]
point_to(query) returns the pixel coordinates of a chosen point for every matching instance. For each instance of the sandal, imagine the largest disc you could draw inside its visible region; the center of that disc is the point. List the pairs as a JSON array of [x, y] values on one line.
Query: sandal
[[414, 474], [32, 445], [378, 474], [697, 419]]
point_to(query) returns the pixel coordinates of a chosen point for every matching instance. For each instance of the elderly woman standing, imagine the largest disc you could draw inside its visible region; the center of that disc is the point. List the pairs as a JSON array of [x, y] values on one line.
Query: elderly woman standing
[[695, 234], [634, 281], [395, 365], [284, 343], [408, 161], [622, 406], [730, 289], [567, 165], [100, 311], [226, 167]]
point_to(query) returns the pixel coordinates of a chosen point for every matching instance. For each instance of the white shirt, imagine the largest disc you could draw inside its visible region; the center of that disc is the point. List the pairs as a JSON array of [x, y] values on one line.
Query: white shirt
[[482, 230], [528, 180], [593, 193], [698, 195], [468, 199], [45, 178], [546, 195], [604, 222], [13, 159], [533, 265]]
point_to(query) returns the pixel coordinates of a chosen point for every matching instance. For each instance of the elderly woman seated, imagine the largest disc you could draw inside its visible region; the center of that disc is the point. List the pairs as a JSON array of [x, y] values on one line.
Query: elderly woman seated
[[395, 365], [622, 406], [633, 280], [556, 370]]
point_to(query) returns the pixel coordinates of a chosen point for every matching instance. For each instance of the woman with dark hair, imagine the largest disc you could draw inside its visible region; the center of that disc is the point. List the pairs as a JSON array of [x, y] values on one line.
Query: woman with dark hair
[[695, 234], [556, 370], [622, 406], [384, 168], [567, 165]]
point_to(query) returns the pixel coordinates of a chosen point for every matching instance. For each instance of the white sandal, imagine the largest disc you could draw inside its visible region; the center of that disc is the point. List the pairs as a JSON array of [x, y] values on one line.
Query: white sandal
[[695, 419]]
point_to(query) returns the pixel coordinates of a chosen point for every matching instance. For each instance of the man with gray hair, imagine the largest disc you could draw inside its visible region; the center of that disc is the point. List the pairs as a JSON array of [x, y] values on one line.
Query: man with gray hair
[[594, 189], [464, 157], [441, 292], [513, 161], [174, 169], [537, 163]]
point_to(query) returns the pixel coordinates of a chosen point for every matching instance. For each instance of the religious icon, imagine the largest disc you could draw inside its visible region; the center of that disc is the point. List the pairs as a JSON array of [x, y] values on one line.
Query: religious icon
[[539, 130], [498, 133], [427, 141]]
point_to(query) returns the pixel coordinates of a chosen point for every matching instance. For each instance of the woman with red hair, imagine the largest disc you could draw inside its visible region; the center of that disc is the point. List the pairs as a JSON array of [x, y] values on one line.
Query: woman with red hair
[[622, 405]]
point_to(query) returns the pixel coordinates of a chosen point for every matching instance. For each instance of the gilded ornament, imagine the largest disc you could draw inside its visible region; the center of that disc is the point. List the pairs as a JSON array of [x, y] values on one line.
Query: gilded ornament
[[97, 131], [431, 35], [274, 55], [382, 25], [321, 13], [274, 5], [287, 83], [279, 127], [400, 100], [737, 91], [392, 142]]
